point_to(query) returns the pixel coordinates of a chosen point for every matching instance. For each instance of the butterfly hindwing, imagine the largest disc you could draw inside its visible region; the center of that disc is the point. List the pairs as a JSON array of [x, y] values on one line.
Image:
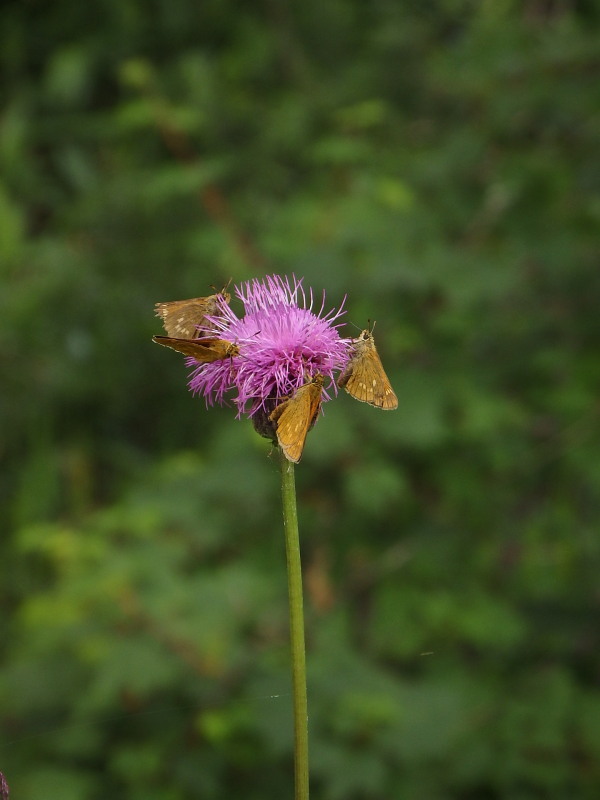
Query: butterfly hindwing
[[293, 418], [364, 378], [203, 350], [181, 318]]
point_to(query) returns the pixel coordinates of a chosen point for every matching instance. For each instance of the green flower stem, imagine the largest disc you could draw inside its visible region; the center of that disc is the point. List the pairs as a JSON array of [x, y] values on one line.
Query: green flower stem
[[292, 547]]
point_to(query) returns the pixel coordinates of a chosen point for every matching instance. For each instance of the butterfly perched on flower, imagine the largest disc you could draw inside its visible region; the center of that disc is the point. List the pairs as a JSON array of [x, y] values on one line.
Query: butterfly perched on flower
[[182, 318], [203, 350], [364, 377], [294, 417]]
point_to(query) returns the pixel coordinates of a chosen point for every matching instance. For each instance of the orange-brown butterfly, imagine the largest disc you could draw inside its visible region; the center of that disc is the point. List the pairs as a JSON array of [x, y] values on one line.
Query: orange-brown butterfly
[[295, 417], [203, 350], [181, 318], [364, 378]]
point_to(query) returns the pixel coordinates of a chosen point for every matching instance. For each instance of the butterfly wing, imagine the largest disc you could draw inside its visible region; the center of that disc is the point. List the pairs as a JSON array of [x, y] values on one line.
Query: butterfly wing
[[364, 378], [295, 417], [203, 350], [181, 318]]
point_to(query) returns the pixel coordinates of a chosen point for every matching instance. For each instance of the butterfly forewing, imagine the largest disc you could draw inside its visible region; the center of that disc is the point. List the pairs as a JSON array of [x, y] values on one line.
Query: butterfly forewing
[[203, 350], [181, 318], [295, 417], [364, 378]]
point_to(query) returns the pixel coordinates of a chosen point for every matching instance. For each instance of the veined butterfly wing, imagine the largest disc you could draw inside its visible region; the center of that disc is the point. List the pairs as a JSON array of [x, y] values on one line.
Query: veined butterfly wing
[[203, 350], [293, 418], [364, 378], [181, 318]]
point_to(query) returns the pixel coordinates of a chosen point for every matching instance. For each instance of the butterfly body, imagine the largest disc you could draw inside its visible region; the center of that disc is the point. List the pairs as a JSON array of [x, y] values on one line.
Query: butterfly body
[[364, 378], [181, 318], [294, 417], [204, 351]]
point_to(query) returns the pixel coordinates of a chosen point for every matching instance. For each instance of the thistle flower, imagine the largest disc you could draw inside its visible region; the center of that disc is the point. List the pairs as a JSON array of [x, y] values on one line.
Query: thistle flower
[[280, 358], [283, 343]]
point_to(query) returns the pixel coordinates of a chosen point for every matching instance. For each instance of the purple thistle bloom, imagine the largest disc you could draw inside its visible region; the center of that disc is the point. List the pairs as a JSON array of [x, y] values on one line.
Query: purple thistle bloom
[[283, 343]]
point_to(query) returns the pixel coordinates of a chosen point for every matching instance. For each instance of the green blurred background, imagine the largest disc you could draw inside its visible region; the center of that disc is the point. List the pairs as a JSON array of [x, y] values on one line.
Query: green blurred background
[[438, 162]]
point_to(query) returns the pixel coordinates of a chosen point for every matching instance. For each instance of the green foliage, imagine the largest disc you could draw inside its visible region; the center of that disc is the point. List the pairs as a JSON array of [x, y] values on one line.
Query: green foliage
[[438, 162]]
